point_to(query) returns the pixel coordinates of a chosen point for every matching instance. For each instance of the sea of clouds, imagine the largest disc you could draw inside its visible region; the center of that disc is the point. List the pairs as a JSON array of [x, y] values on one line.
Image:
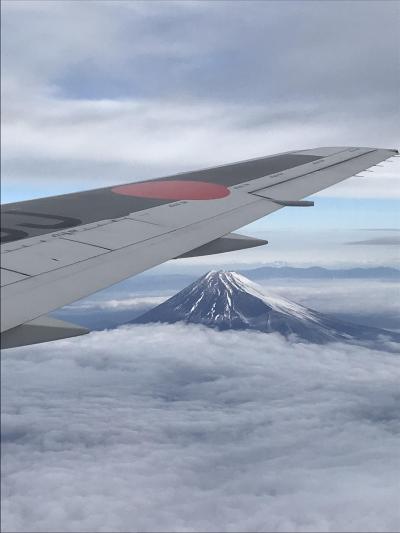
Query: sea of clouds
[[182, 428]]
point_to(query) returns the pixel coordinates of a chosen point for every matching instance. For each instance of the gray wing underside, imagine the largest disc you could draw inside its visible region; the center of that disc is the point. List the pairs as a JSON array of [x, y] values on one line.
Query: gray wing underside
[[45, 272]]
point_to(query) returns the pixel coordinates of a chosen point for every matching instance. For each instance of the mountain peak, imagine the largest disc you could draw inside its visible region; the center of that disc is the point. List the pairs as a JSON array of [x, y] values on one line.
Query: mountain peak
[[227, 300], [235, 283]]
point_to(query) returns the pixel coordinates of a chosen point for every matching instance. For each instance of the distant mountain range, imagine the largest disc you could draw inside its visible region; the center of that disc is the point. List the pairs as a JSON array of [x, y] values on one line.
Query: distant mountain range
[[323, 273], [178, 281], [227, 300]]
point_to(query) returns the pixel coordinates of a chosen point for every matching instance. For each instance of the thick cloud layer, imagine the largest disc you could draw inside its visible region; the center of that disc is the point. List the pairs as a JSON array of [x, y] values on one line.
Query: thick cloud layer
[[104, 92], [176, 428]]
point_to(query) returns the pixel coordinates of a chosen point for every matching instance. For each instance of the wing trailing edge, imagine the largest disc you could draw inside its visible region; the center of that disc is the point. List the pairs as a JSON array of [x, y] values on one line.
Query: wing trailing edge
[[229, 243], [42, 329]]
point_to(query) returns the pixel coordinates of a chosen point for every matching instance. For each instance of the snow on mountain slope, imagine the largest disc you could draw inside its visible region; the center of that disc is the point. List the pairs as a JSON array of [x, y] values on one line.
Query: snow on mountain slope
[[227, 300]]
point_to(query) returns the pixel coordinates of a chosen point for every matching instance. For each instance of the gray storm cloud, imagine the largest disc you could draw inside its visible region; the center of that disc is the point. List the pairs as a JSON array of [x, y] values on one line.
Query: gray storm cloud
[[176, 428]]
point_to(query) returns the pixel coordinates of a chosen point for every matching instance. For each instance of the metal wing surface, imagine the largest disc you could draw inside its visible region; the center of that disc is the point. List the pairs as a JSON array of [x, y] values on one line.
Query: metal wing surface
[[57, 250]]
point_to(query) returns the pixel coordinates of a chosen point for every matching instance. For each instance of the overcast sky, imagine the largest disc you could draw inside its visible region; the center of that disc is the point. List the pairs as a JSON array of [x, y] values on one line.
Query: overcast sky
[[104, 92], [186, 429], [95, 93]]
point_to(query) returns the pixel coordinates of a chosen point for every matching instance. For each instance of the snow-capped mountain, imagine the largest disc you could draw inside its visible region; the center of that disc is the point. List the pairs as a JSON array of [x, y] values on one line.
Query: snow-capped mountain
[[227, 300]]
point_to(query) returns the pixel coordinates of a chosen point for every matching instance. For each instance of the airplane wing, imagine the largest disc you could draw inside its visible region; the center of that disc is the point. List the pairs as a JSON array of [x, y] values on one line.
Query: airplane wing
[[57, 250]]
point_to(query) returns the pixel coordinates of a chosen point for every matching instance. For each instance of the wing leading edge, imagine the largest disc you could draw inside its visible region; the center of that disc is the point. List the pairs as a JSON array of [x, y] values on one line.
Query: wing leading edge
[[60, 249]]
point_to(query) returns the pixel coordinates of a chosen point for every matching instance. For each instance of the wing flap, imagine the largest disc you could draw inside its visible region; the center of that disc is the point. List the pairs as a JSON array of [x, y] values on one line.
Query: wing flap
[[228, 243], [48, 255], [8, 276], [115, 234], [323, 175], [43, 329]]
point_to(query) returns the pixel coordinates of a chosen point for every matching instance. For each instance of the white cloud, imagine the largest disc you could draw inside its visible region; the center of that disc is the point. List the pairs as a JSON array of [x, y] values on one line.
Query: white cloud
[[380, 183], [372, 302], [116, 304], [142, 138], [341, 296], [105, 92], [175, 428], [305, 247], [351, 296]]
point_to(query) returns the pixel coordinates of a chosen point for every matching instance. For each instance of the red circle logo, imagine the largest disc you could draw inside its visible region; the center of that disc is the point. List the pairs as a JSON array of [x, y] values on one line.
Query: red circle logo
[[174, 190]]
